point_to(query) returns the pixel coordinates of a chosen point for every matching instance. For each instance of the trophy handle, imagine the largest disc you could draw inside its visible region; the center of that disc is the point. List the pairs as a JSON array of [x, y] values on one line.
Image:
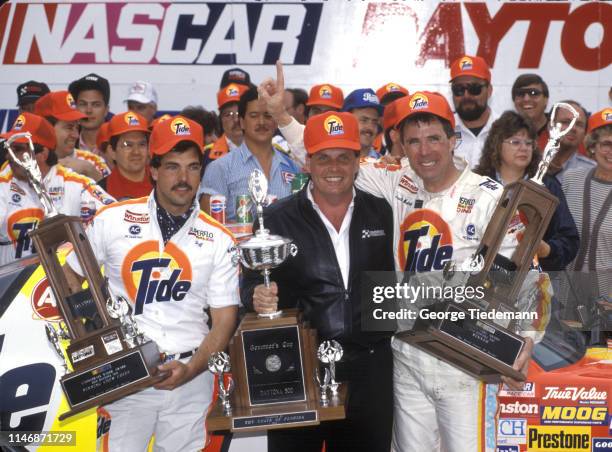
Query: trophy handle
[[552, 146]]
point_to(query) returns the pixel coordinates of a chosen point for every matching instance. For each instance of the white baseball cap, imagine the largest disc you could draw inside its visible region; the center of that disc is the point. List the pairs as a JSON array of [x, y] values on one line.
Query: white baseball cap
[[142, 92]]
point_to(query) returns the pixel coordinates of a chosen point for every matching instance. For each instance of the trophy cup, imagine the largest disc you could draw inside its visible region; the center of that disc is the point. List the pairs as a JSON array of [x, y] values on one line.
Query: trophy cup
[[330, 352], [273, 356], [487, 349], [110, 358], [219, 364], [263, 251]]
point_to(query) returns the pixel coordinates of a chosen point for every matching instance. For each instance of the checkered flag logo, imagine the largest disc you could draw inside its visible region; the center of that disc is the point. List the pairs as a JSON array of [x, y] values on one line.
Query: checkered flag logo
[[365, 233]]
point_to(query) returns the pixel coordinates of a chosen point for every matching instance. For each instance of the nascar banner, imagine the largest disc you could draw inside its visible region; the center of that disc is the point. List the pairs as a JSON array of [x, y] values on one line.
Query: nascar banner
[[184, 47]]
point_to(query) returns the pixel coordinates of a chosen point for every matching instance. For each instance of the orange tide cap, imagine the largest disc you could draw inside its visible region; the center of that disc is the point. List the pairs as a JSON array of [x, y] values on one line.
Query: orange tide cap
[[326, 94], [470, 65], [599, 119], [423, 102], [127, 122], [60, 105], [42, 131], [230, 93], [167, 134], [331, 130]]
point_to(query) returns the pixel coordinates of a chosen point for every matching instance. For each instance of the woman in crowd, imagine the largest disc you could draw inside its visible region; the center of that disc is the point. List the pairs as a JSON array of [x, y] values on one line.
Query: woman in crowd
[[510, 153]]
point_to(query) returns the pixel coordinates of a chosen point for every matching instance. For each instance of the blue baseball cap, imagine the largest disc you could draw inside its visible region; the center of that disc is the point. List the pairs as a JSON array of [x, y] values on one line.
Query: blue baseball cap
[[362, 98]]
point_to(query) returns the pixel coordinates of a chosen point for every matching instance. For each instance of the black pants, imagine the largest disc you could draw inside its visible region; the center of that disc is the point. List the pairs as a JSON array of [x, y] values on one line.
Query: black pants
[[369, 421]]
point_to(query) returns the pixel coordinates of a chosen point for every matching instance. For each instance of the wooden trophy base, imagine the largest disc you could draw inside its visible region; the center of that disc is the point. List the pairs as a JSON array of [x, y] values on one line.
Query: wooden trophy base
[[479, 348], [273, 364], [291, 415], [104, 381]]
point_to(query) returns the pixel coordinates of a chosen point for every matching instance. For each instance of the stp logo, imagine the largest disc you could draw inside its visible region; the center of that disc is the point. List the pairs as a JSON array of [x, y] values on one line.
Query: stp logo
[[43, 302], [149, 276], [426, 242], [334, 125]]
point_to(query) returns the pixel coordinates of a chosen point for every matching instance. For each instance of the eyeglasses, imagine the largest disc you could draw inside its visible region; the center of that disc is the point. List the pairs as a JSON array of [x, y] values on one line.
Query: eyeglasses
[[605, 145], [130, 145], [516, 143], [230, 114], [530, 92], [473, 88]]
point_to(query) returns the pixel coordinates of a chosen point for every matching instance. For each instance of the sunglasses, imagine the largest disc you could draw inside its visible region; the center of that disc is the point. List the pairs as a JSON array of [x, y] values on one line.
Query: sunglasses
[[531, 92], [473, 88]]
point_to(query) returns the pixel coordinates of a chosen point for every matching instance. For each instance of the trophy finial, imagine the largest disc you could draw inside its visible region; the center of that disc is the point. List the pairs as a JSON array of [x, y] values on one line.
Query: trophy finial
[[258, 187]]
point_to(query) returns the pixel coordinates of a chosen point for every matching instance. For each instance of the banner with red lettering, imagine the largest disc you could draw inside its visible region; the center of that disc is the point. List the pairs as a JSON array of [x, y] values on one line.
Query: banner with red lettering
[[183, 48]]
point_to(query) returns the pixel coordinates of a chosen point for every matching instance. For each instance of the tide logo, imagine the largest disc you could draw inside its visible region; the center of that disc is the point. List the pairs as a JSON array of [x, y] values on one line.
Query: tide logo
[[325, 92], [419, 101], [392, 87], [131, 119], [426, 242], [180, 127], [149, 276], [19, 224], [333, 125], [232, 91], [466, 64], [606, 115], [44, 306], [70, 101], [19, 122]]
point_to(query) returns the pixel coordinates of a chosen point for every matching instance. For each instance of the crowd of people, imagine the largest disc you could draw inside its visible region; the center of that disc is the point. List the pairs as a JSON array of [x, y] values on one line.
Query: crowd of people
[[391, 174]]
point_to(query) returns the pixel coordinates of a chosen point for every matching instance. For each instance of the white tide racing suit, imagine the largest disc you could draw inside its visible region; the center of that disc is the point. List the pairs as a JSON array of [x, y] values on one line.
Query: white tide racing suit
[[21, 210], [434, 401]]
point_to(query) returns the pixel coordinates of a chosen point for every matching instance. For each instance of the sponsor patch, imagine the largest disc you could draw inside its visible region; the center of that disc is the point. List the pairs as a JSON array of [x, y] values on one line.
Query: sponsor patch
[[408, 184], [544, 438], [580, 394], [134, 229], [574, 415], [527, 391], [489, 184], [17, 189], [524, 409], [135, 217], [602, 444], [287, 176], [201, 235], [367, 233], [511, 431], [465, 205], [16, 198]]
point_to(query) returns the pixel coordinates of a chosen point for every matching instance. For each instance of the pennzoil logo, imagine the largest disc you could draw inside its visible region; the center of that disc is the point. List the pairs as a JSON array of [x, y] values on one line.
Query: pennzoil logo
[[136, 217], [150, 276], [606, 115], [325, 92], [419, 101], [44, 306], [333, 125], [19, 122], [426, 242], [466, 64], [70, 101], [179, 126], [131, 119], [232, 91]]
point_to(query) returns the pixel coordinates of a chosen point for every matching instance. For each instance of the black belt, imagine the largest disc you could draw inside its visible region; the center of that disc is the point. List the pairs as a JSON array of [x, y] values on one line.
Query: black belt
[[166, 357]]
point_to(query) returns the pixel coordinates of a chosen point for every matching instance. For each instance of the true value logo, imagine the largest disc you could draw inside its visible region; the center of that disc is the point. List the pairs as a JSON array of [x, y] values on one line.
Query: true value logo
[[574, 394]]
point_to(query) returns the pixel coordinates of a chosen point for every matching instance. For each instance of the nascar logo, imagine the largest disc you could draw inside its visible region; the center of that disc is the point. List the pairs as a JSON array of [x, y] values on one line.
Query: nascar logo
[[180, 127], [419, 101], [466, 64], [325, 92], [334, 125]]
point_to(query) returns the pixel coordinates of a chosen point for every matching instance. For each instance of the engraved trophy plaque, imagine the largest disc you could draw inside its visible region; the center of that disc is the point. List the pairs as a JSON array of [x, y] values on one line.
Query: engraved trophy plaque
[[487, 349], [273, 356], [109, 357]]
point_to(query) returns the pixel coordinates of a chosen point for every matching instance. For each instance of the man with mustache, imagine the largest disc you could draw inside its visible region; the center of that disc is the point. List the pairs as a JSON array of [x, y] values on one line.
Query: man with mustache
[[471, 89], [171, 262], [364, 105], [229, 175]]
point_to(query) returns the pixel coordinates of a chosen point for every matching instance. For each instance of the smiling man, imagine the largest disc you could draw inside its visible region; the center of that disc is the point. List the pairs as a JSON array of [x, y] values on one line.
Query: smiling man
[[327, 221], [165, 240], [364, 104], [229, 175], [471, 90], [92, 96]]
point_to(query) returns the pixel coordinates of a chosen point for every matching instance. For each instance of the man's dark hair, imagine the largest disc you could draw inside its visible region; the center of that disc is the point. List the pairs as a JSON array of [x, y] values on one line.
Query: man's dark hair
[[300, 96], [248, 96], [526, 80], [508, 124], [207, 119], [427, 118]]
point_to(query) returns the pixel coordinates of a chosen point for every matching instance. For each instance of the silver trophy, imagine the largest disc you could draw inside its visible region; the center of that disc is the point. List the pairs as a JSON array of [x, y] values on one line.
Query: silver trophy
[[219, 364], [556, 133], [54, 336], [330, 352], [323, 385], [28, 163], [119, 308], [263, 251]]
